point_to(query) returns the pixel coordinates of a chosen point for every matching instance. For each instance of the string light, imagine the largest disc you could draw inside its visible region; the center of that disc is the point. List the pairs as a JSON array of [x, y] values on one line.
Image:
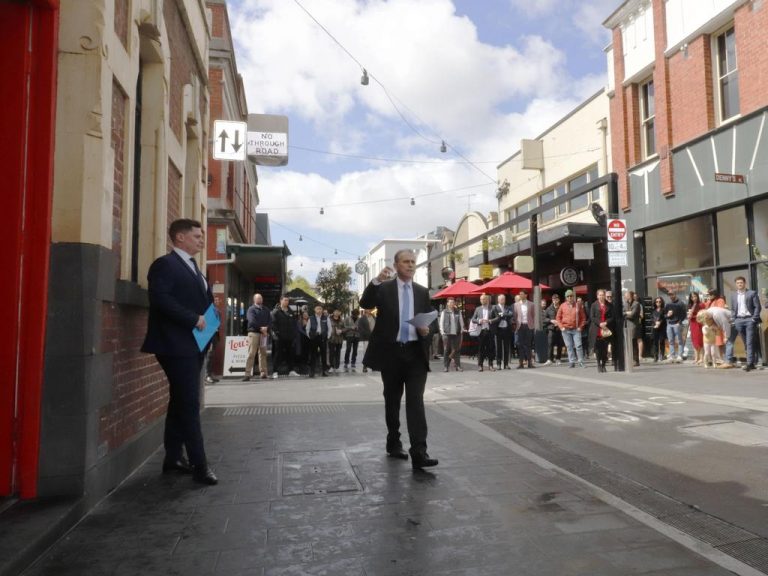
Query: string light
[[321, 210], [413, 201], [443, 147], [364, 78]]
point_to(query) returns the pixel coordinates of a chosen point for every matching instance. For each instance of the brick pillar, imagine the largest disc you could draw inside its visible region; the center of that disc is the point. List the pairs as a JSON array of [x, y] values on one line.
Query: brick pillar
[[663, 121]]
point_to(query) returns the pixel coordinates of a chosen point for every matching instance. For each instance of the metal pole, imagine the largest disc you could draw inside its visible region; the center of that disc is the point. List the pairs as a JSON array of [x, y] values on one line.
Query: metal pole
[[618, 302], [539, 337]]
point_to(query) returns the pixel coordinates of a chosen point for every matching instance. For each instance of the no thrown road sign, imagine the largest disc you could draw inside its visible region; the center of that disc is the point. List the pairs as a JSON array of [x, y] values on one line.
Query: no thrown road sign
[[617, 230]]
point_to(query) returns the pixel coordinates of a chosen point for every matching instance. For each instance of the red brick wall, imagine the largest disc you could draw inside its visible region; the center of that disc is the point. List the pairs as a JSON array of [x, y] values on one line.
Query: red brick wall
[[139, 389], [122, 19], [751, 27], [219, 19], [183, 64], [691, 91], [118, 146], [618, 111], [663, 119], [214, 166]]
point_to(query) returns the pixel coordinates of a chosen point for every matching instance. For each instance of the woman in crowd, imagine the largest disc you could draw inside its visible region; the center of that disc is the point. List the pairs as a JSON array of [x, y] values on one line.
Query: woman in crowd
[[601, 327], [632, 317], [659, 329], [695, 305], [352, 337], [335, 340], [718, 301]]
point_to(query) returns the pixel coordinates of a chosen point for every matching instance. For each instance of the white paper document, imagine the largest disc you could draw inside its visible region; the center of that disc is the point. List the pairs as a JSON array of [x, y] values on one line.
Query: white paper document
[[424, 319]]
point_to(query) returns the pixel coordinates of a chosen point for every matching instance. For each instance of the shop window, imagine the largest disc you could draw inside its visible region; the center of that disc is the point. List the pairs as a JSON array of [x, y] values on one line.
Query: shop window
[[760, 217], [647, 119], [524, 225], [732, 236], [560, 191], [685, 245], [727, 74]]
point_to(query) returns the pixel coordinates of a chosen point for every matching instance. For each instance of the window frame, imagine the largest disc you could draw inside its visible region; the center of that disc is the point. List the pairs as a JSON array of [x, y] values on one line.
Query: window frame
[[731, 75], [647, 118]]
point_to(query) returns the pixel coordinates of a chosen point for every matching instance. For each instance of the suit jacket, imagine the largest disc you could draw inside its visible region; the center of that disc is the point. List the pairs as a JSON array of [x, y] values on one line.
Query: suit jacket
[[176, 300], [752, 301], [383, 342], [493, 316], [529, 319]]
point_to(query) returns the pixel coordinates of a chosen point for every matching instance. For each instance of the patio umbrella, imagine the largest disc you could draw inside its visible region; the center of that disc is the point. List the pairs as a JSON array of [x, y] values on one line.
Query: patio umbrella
[[458, 289], [507, 282]]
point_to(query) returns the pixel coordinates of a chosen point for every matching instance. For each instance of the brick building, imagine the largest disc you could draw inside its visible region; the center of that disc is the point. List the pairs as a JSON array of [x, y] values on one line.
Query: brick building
[[241, 260], [688, 82], [116, 148]]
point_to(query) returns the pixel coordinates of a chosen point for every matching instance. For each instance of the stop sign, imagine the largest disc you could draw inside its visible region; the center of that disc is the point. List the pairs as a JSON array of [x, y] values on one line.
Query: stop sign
[[617, 230]]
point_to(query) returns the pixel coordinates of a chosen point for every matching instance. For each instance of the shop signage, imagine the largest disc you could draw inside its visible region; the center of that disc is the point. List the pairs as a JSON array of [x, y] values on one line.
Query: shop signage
[[617, 230], [729, 178], [235, 355], [486, 270], [569, 276], [229, 140]]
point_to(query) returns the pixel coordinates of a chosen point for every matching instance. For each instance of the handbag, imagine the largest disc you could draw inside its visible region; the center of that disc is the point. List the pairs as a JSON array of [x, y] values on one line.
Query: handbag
[[475, 329], [605, 333]]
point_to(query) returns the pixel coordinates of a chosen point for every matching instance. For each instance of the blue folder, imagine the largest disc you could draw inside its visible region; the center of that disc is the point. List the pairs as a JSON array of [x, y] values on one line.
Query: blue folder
[[212, 324]]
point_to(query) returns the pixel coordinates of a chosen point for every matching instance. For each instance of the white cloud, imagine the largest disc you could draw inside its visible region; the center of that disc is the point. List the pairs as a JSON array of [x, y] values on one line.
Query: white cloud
[[535, 7]]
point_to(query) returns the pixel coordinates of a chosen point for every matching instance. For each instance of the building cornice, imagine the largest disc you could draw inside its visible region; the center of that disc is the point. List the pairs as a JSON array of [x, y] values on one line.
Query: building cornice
[[624, 12]]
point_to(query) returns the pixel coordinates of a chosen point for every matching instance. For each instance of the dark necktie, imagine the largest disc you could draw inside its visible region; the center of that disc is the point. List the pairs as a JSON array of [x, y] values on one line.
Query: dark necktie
[[199, 274]]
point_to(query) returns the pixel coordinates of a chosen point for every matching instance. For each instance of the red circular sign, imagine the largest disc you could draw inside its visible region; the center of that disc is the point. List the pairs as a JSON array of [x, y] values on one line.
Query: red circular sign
[[617, 230]]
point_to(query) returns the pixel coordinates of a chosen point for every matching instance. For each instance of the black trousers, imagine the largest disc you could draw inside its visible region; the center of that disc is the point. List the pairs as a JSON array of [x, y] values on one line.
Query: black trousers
[[503, 346], [601, 351], [524, 341], [182, 420], [555, 344], [351, 346], [485, 348], [283, 355], [406, 372], [318, 351]]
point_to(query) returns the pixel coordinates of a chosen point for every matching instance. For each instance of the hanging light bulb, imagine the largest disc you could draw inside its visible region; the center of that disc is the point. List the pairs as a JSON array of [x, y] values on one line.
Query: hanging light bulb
[[335, 251], [301, 238], [364, 78], [443, 147], [301, 264], [413, 201], [323, 259], [321, 210]]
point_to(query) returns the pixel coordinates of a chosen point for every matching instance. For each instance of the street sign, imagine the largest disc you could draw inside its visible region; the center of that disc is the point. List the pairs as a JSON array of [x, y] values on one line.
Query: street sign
[[229, 140], [729, 178], [617, 246], [269, 145], [617, 230], [486, 270], [617, 259]]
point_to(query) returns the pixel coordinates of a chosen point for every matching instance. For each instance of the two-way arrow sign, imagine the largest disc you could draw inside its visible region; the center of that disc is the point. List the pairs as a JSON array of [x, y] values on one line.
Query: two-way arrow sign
[[230, 138]]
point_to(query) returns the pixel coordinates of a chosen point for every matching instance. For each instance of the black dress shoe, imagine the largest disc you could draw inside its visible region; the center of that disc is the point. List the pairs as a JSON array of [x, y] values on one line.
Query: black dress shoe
[[422, 461], [397, 453], [205, 476], [748, 367], [181, 466]]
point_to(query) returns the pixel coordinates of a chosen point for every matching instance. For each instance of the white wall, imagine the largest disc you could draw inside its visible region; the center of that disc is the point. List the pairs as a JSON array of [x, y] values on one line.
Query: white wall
[[686, 17], [637, 38]]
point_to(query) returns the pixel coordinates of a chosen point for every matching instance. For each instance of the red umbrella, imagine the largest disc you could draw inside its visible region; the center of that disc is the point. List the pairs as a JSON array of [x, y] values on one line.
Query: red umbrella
[[507, 282], [459, 288]]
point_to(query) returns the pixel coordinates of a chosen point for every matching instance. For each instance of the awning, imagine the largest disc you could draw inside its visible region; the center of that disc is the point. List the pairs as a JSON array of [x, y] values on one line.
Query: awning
[[262, 266], [567, 233]]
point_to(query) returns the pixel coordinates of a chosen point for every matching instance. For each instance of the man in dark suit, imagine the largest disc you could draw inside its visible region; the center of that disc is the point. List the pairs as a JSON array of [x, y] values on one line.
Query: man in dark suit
[[178, 299], [745, 306], [401, 353]]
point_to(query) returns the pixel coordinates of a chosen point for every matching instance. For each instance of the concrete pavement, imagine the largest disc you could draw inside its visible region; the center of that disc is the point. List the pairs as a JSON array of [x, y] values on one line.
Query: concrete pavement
[[307, 489]]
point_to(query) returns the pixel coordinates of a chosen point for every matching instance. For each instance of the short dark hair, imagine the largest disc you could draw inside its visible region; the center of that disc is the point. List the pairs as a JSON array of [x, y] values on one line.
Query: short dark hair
[[397, 254], [740, 278], [182, 225]]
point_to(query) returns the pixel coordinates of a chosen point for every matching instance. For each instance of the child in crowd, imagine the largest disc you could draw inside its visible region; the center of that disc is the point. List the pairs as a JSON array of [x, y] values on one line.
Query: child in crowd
[[709, 331]]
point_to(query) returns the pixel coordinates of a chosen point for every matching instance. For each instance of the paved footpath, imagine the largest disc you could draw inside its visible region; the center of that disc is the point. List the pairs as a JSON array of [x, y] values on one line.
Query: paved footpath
[[307, 489]]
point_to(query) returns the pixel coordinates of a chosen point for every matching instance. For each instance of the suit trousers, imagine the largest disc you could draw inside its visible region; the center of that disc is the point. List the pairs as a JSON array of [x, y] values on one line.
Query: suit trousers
[[744, 327], [318, 350], [503, 345], [486, 347], [283, 350], [406, 372], [182, 421], [524, 341]]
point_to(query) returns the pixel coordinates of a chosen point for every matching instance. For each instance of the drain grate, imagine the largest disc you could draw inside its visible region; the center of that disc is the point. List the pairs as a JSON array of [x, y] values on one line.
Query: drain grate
[[275, 409], [752, 552]]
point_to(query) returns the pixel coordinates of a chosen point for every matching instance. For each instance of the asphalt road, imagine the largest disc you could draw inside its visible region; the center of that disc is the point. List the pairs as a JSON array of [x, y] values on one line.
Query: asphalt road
[[698, 436]]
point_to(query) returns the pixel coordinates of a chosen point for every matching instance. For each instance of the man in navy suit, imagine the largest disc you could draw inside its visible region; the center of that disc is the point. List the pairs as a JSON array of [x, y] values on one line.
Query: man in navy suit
[[401, 353], [178, 299], [745, 306]]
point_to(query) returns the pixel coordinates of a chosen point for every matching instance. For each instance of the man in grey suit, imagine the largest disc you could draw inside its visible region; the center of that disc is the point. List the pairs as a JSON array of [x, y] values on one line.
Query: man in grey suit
[[401, 353]]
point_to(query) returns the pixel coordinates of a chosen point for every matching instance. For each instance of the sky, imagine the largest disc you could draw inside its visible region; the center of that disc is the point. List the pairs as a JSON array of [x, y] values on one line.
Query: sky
[[479, 75]]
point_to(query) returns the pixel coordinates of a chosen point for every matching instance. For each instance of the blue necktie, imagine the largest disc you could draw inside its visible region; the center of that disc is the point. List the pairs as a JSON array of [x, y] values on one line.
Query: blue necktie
[[405, 315]]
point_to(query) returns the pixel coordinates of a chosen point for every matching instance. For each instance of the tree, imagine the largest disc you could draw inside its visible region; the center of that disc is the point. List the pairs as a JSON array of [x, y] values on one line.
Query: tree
[[303, 284], [333, 286]]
